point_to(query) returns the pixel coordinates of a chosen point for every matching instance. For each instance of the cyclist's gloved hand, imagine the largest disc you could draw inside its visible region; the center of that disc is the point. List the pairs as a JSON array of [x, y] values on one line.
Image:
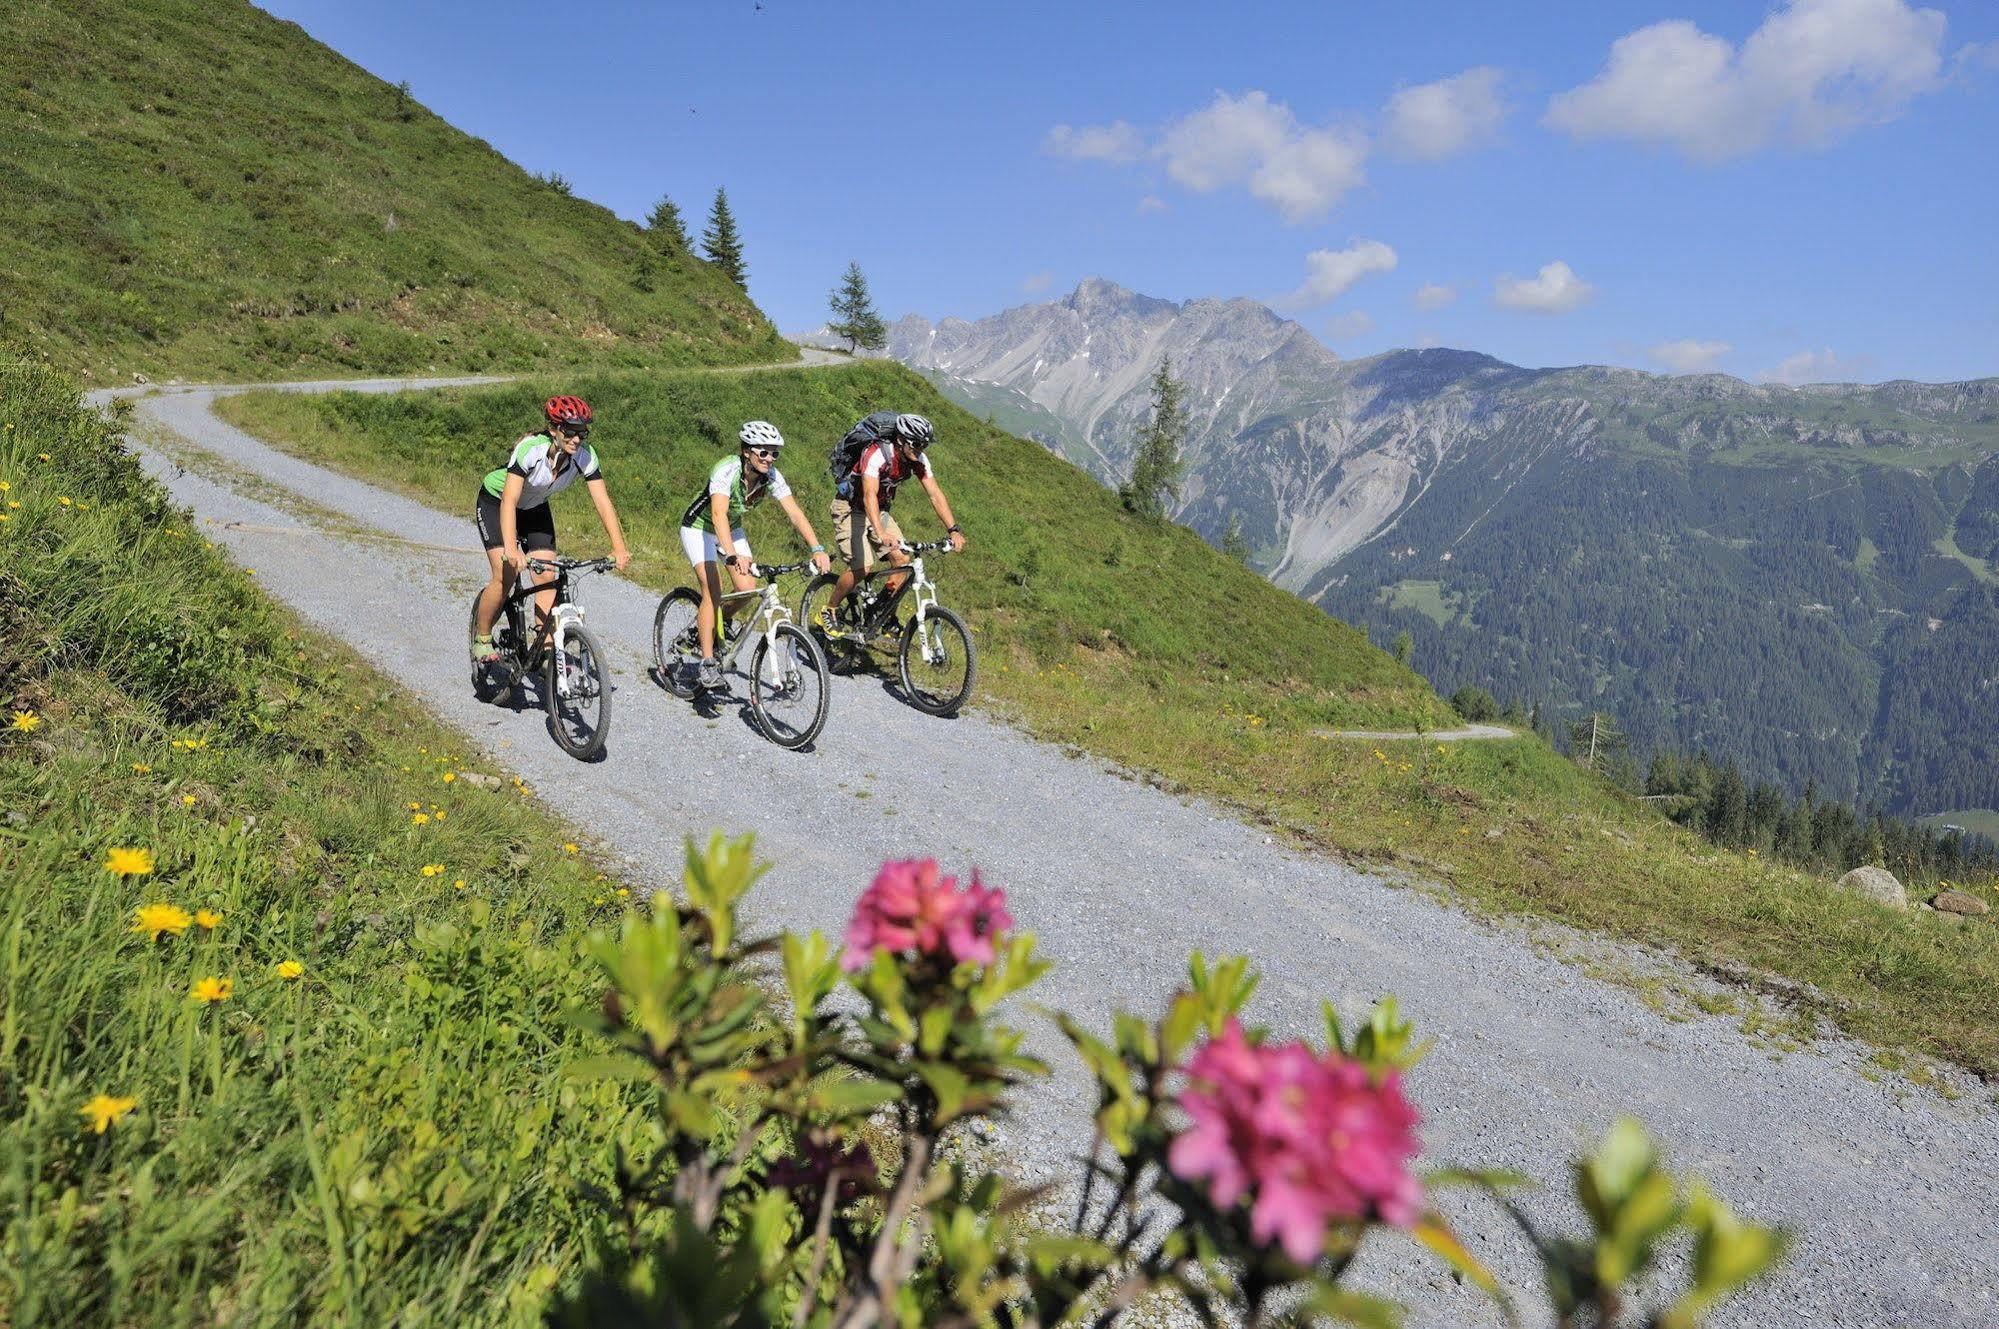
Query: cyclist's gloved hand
[[822, 562], [957, 542]]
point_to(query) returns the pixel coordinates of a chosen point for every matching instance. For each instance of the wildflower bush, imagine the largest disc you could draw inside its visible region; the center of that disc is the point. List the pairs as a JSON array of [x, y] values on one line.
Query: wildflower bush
[[803, 1168]]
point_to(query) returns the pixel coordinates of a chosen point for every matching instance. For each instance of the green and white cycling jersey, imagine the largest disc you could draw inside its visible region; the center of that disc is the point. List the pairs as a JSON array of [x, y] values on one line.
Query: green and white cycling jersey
[[534, 460], [744, 494]]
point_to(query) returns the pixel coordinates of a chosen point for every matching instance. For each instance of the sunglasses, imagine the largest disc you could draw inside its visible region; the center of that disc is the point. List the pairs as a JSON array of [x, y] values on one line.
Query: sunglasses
[[573, 431], [768, 454]]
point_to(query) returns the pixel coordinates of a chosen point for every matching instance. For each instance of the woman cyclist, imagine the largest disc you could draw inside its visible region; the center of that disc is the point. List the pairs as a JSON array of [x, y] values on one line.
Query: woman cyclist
[[711, 531], [512, 511]]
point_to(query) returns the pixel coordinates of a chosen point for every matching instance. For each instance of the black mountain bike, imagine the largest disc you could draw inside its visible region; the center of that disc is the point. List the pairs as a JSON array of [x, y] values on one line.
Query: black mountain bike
[[575, 677], [935, 661], [788, 674]]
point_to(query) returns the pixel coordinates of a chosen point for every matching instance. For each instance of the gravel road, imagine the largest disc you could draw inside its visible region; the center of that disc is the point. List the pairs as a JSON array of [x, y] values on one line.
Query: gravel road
[[1890, 1189]]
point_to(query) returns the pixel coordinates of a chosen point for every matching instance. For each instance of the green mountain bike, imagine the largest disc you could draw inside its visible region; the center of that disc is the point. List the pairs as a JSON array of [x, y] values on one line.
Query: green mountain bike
[[936, 663], [788, 675]]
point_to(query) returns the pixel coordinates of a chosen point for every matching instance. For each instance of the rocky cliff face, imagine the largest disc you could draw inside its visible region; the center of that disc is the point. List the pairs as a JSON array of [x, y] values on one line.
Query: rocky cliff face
[[1782, 574]]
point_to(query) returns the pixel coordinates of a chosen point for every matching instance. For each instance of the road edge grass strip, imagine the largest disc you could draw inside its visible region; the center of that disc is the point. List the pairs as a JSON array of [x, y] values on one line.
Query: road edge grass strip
[[1514, 828], [283, 969]]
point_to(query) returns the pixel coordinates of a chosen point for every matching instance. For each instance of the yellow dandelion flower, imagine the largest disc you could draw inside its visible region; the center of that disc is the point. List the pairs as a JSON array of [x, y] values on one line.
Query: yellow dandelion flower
[[65, 500], [419, 818], [414, 807], [142, 768], [129, 862], [106, 1110], [289, 970], [208, 919], [425, 751], [439, 814], [208, 991], [249, 572], [26, 721], [458, 885], [154, 919], [623, 892], [14, 504], [43, 456], [433, 869], [1442, 748], [449, 776], [569, 849], [4, 486], [5, 517], [81, 506], [187, 800]]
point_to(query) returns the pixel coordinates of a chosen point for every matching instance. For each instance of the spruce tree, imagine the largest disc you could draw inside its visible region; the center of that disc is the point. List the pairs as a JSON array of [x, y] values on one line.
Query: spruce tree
[[722, 244], [1405, 646], [664, 226], [854, 314], [1155, 462], [1234, 543]]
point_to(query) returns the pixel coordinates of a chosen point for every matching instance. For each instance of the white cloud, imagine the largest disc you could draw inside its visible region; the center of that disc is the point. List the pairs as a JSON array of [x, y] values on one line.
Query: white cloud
[[1255, 142], [1688, 356], [1434, 295], [1116, 142], [1554, 290], [1152, 203], [1036, 282], [1822, 366], [1330, 272], [1353, 323], [1441, 119], [1814, 71]]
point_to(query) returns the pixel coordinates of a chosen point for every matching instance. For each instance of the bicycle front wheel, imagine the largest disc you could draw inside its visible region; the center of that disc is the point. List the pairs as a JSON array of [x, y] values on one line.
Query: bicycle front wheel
[[789, 688], [937, 663], [676, 641], [576, 688], [840, 655]]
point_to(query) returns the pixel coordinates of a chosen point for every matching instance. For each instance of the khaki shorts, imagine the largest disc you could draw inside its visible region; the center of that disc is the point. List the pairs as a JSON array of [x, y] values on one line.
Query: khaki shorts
[[857, 543]]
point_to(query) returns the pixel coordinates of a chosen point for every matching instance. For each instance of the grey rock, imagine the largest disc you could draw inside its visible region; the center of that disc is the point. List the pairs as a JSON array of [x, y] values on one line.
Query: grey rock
[[1958, 902], [1877, 884]]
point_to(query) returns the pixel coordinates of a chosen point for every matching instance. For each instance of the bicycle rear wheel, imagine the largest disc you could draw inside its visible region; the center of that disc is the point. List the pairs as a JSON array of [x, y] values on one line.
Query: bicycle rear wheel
[[841, 656], [576, 687], [937, 663], [789, 687], [676, 641]]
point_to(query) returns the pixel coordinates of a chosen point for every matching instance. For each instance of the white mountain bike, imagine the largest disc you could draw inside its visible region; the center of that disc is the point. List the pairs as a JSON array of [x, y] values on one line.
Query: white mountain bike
[[787, 670]]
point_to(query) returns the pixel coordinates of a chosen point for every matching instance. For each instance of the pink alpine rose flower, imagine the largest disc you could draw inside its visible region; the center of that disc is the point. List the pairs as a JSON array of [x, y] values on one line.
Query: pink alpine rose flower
[[910, 907], [1310, 1138]]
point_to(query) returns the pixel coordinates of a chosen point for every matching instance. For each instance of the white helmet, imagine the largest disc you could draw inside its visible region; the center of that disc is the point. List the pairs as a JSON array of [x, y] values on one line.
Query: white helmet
[[915, 429], [761, 434]]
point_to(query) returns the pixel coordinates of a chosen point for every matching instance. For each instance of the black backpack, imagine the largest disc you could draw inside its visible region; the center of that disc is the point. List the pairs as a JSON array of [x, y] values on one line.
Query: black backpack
[[874, 428]]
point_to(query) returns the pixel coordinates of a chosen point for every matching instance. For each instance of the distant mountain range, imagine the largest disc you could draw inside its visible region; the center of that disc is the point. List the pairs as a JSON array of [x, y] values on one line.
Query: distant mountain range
[[1804, 579]]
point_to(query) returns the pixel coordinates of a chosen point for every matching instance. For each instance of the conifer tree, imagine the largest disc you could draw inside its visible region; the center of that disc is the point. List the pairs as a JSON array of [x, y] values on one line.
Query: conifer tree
[[1405, 646], [722, 244], [1155, 464], [854, 315], [1234, 543], [664, 226], [1595, 736]]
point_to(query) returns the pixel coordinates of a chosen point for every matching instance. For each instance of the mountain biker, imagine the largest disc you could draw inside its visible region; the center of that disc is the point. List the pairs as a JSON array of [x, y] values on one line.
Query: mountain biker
[[863, 530], [711, 533], [512, 513]]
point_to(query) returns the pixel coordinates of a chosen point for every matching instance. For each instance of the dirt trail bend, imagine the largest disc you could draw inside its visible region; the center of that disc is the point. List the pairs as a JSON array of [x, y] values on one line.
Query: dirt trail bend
[[1889, 1189]]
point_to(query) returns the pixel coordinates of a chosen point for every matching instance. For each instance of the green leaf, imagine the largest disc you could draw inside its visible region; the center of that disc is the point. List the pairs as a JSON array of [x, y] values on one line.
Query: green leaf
[[851, 1097], [1436, 1235], [948, 1085]]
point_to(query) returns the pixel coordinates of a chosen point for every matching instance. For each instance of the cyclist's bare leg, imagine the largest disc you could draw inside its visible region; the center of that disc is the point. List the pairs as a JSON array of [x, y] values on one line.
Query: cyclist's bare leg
[[546, 600], [499, 579]]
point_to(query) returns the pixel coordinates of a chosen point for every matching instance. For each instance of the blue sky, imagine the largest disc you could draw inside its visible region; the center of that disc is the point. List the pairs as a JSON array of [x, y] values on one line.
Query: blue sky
[[1808, 189]]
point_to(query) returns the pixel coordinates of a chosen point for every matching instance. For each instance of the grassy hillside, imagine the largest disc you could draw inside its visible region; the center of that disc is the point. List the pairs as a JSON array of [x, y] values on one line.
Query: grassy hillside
[[373, 1140], [200, 189], [1140, 644]]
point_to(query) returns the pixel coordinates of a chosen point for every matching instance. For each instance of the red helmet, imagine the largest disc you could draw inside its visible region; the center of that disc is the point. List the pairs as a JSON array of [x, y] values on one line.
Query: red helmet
[[566, 411]]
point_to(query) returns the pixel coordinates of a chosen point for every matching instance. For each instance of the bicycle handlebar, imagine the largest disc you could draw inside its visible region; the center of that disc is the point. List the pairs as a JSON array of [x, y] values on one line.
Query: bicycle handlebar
[[931, 547], [572, 564]]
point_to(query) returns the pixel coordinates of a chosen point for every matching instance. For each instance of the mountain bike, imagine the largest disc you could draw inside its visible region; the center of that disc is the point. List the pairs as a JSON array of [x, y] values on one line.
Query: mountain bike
[[935, 660], [575, 677], [788, 674]]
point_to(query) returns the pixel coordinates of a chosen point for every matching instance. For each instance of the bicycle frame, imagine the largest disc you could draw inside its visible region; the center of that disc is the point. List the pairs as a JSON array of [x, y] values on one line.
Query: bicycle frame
[[917, 583], [766, 617], [551, 627]]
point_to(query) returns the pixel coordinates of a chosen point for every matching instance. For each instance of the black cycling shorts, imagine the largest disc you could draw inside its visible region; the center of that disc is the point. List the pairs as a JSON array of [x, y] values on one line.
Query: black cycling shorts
[[535, 527]]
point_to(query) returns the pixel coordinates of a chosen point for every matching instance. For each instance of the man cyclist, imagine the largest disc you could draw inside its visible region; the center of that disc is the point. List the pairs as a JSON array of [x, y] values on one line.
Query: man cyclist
[[863, 530], [711, 529], [512, 514]]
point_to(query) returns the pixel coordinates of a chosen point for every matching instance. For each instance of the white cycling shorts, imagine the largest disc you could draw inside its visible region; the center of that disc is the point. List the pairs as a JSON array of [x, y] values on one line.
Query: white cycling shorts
[[701, 547]]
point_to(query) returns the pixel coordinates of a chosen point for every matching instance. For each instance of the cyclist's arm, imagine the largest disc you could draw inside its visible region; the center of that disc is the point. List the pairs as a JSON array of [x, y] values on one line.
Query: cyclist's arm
[[871, 505], [510, 500], [725, 539], [943, 507], [600, 495], [800, 524]]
